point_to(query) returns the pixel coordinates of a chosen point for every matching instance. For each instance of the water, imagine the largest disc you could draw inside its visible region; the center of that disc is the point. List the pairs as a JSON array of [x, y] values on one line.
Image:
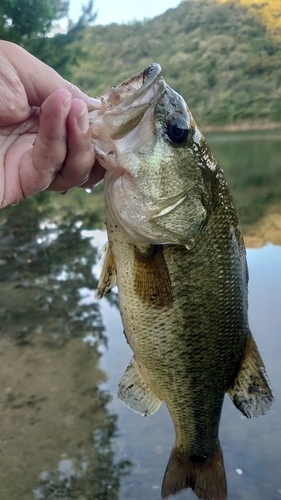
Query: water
[[251, 161], [63, 432]]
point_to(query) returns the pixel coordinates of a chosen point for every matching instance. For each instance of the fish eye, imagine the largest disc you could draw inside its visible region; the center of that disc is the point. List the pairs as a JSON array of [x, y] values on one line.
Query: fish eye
[[177, 129]]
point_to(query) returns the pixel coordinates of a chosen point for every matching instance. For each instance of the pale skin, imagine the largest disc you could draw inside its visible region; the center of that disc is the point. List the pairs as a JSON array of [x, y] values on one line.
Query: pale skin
[[45, 140]]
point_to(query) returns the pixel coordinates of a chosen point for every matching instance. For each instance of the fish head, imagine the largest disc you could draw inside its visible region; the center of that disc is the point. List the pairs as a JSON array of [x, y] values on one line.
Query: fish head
[[156, 160]]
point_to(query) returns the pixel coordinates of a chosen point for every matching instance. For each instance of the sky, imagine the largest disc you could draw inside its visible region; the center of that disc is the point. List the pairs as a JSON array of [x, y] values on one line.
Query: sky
[[122, 11]]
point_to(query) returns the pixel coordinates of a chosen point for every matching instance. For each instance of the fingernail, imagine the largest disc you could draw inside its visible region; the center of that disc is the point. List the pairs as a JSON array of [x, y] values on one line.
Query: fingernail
[[66, 105], [83, 120]]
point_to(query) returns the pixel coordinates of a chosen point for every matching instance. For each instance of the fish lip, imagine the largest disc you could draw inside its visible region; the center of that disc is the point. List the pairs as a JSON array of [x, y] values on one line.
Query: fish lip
[[149, 77], [146, 79]]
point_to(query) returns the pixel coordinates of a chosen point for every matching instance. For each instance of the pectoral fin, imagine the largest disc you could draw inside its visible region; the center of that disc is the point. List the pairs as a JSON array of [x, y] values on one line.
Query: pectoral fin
[[134, 391], [251, 392], [152, 279], [108, 273]]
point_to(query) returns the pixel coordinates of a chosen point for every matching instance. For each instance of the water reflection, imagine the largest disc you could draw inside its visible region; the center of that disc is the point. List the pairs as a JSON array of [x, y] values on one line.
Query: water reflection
[[57, 430], [251, 161], [44, 267]]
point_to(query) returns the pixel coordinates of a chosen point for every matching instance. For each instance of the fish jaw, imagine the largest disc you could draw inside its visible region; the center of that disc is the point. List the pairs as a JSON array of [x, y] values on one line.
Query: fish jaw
[[122, 109], [154, 188]]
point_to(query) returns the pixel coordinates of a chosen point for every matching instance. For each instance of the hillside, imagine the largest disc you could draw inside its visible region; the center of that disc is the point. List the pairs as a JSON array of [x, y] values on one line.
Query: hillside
[[223, 57], [268, 12]]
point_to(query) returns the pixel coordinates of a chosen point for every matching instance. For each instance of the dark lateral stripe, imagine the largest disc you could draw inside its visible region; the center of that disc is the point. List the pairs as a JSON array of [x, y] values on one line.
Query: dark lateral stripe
[[152, 280]]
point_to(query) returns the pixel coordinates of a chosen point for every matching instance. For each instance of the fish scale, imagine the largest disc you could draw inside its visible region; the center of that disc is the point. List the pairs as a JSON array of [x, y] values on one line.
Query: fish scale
[[176, 252], [185, 376]]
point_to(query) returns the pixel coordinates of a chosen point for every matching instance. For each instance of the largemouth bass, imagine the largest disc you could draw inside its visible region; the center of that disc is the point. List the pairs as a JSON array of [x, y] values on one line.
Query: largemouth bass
[[176, 252]]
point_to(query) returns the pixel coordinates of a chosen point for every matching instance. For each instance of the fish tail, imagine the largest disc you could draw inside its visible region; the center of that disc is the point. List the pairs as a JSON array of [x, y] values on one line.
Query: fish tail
[[206, 476]]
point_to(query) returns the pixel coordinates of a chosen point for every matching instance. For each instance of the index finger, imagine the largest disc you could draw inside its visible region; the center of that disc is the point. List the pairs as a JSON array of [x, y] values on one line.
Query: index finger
[[39, 79]]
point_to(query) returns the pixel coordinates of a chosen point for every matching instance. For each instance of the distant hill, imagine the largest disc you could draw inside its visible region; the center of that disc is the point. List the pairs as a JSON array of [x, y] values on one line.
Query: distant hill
[[268, 11], [224, 57]]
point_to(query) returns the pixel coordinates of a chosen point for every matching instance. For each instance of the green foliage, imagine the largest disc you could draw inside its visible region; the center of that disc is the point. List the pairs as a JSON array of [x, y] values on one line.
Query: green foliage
[[21, 20], [59, 52], [220, 57], [64, 52], [28, 22]]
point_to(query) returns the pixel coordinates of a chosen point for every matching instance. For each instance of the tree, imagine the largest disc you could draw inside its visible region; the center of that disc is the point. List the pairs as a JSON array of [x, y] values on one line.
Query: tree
[[28, 22], [22, 20], [64, 51]]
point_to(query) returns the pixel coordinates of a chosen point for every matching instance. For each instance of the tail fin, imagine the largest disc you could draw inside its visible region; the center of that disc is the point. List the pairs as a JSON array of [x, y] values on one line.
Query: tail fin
[[205, 476]]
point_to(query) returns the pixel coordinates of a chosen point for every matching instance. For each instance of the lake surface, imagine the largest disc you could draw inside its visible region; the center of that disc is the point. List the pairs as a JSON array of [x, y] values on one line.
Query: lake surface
[[63, 432]]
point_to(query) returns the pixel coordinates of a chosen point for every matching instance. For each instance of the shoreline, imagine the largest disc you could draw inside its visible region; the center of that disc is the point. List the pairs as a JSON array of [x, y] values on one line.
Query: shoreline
[[241, 126], [265, 230]]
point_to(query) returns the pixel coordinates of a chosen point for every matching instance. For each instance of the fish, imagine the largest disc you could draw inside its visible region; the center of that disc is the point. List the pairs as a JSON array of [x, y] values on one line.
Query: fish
[[176, 253]]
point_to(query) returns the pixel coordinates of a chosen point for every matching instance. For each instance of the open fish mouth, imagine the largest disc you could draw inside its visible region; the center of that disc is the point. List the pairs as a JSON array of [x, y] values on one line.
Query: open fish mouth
[[129, 135], [122, 110], [144, 86]]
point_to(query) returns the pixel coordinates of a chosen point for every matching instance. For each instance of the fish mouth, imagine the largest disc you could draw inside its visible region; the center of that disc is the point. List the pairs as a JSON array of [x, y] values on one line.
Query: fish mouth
[[143, 88], [126, 118]]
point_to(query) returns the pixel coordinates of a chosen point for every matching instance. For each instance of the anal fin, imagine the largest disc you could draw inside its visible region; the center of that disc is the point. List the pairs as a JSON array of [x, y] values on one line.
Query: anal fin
[[134, 391], [251, 392], [107, 278]]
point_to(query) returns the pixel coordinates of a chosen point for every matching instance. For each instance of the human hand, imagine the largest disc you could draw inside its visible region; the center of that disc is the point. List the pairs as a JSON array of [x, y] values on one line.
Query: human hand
[[45, 140]]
